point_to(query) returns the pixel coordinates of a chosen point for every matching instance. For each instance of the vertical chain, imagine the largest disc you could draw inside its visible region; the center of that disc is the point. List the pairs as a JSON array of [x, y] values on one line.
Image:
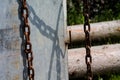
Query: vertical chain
[[28, 45], [88, 57]]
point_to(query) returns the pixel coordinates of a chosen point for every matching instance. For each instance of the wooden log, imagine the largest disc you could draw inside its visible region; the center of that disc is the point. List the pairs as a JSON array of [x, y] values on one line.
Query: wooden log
[[99, 31], [105, 59]]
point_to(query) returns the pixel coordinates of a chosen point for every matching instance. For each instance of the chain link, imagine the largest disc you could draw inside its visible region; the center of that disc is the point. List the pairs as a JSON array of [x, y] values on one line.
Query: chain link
[[88, 57], [28, 45]]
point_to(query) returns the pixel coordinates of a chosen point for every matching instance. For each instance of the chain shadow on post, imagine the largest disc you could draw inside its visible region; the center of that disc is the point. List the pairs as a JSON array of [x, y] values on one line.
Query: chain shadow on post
[[25, 71], [53, 36]]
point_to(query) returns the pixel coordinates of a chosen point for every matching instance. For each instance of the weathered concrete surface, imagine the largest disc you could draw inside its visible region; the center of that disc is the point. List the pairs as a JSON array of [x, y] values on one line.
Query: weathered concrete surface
[[105, 59], [47, 21]]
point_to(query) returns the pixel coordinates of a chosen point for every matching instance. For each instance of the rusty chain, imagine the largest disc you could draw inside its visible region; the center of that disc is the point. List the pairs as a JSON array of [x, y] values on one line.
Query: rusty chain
[[88, 57], [28, 45]]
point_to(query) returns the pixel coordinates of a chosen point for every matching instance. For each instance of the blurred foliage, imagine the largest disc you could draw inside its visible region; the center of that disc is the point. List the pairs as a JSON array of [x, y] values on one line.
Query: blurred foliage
[[74, 12], [100, 10]]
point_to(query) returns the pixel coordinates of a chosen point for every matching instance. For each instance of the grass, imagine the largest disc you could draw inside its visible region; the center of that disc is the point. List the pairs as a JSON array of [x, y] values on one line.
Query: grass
[[115, 77], [102, 77], [110, 77]]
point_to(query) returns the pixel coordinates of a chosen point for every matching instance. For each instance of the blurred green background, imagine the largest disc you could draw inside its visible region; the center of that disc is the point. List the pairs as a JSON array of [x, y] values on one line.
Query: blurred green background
[[100, 10]]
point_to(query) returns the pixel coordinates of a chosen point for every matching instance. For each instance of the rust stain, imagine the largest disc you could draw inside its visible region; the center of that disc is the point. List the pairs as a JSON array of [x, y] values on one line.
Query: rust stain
[[16, 77], [4, 56], [16, 64], [16, 44], [118, 29], [14, 10], [15, 28]]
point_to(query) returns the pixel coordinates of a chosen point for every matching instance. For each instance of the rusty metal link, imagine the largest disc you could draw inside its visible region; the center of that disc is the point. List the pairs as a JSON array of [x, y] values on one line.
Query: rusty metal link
[[88, 57], [28, 45]]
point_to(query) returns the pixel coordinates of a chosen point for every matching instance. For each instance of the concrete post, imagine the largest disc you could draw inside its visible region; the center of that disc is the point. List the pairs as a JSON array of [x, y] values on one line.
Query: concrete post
[[47, 21]]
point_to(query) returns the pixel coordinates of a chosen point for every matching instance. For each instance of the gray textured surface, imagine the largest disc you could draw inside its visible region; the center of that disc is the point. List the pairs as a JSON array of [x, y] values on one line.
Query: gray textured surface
[[99, 31], [105, 59], [47, 21]]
